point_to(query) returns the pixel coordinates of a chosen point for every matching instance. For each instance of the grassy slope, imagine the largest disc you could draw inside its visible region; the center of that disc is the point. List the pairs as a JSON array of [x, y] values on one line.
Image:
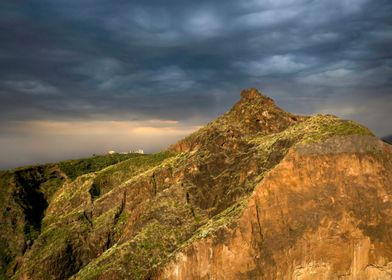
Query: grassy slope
[[76, 168], [20, 188], [70, 216]]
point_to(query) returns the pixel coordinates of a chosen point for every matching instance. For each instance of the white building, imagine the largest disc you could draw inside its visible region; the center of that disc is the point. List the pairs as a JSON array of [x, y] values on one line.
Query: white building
[[138, 151]]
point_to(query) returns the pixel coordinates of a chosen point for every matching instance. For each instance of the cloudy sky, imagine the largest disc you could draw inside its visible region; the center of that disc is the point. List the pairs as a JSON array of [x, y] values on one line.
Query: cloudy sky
[[83, 76]]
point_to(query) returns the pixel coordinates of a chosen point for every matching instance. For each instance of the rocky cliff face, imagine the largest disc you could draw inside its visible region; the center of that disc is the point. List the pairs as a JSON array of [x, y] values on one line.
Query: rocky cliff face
[[258, 193], [324, 212]]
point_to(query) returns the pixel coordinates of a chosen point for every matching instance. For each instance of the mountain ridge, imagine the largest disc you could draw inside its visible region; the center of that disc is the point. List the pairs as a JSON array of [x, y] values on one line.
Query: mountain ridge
[[212, 199]]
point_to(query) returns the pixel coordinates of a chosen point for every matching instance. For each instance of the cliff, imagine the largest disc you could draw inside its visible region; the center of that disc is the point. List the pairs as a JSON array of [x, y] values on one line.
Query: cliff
[[258, 193]]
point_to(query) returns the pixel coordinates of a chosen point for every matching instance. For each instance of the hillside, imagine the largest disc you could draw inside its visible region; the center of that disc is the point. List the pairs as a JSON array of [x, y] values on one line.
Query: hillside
[[258, 193], [26, 193]]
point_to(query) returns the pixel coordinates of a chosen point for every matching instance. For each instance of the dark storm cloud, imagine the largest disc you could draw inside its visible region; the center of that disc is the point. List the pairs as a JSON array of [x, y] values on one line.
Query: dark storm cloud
[[187, 60]]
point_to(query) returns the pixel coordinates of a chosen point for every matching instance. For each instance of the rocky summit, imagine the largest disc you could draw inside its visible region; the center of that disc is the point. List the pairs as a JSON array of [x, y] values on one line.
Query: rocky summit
[[258, 193]]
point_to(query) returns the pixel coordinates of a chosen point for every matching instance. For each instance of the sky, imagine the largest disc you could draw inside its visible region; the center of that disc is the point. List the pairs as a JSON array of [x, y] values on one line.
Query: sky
[[79, 77]]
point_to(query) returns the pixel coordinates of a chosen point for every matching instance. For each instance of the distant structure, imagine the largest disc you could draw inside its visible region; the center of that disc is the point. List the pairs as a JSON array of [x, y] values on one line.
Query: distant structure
[[138, 151]]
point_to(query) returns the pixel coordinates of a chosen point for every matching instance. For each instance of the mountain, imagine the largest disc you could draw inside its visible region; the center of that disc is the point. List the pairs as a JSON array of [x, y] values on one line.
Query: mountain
[[258, 193]]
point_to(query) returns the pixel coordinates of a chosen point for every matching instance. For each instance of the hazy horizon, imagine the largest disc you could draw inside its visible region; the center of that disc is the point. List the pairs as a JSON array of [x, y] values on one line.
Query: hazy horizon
[[80, 78]]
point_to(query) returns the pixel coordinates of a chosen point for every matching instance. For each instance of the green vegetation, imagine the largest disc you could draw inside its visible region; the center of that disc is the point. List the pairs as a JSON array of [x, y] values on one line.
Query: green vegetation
[[221, 220], [5, 177], [121, 172], [4, 257], [321, 127], [314, 129], [140, 255], [76, 168], [27, 191], [153, 245]]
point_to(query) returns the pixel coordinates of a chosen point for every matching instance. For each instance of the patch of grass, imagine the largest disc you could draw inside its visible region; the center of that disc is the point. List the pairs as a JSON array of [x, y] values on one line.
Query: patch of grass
[[5, 177], [49, 241], [92, 272], [50, 186], [324, 126], [122, 219], [76, 168], [105, 219], [314, 129], [123, 171], [4, 257], [140, 255], [223, 219]]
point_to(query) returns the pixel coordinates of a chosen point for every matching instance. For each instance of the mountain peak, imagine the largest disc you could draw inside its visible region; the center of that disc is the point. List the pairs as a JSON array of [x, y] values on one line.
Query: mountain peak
[[254, 113], [250, 93], [254, 105], [253, 94]]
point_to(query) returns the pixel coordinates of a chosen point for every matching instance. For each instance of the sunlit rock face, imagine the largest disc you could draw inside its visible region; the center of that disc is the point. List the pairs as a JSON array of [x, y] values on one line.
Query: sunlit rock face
[[324, 212], [258, 193]]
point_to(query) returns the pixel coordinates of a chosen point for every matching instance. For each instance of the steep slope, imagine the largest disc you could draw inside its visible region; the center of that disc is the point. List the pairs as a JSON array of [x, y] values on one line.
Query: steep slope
[[24, 196], [258, 193], [325, 212]]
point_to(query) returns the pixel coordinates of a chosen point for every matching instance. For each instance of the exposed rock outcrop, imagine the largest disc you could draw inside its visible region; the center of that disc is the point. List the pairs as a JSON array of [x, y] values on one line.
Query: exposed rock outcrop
[[258, 193], [253, 114], [324, 212]]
